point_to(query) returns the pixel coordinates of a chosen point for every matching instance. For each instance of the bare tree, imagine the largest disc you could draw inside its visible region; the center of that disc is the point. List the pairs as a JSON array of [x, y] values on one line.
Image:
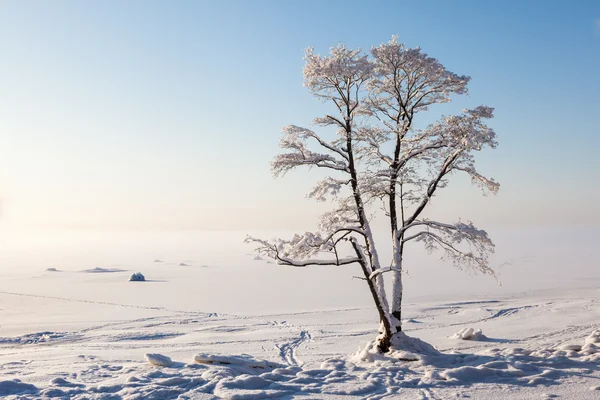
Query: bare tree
[[378, 157]]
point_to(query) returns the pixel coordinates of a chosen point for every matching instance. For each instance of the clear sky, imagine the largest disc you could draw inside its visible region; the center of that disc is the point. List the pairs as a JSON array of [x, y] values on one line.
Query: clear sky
[[146, 115]]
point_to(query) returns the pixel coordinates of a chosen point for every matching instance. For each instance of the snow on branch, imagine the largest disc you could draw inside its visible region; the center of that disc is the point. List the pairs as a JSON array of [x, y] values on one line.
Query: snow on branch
[[344, 217], [487, 185], [468, 130], [470, 133], [328, 187], [458, 136], [301, 250], [338, 76], [408, 81], [465, 245], [294, 139], [374, 138]]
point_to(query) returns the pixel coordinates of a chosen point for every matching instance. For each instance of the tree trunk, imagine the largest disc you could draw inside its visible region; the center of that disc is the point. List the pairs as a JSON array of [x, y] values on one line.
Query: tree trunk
[[380, 302], [397, 287], [376, 285]]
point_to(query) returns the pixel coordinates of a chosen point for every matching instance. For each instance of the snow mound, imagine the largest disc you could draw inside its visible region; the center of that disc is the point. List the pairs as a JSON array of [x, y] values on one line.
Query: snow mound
[[52, 270], [158, 261], [64, 383], [184, 265], [591, 345], [243, 360], [102, 270], [158, 360], [570, 347], [137, 277], [15, 386], [257, 258], [403, 348], [469, 334]]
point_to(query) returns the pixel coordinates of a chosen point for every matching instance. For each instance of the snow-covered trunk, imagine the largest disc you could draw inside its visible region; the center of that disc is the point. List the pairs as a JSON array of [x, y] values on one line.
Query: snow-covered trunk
[[378, 280], [397, 244], [378, 298], [397, 287], [376, 284]]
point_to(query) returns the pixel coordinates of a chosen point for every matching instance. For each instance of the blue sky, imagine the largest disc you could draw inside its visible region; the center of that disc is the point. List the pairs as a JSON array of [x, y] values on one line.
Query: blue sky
[[145, 115]]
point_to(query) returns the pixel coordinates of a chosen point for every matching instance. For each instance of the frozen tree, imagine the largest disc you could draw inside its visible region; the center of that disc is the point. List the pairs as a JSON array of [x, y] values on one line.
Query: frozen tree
[[378, 157], [406, 82]]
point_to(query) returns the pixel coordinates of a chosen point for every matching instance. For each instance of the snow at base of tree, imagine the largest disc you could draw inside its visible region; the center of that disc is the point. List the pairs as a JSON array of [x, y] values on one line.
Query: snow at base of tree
[[403, 348]]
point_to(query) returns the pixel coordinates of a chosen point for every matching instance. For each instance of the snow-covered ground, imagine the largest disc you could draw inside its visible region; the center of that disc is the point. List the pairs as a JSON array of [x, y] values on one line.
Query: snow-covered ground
[[211, 321]]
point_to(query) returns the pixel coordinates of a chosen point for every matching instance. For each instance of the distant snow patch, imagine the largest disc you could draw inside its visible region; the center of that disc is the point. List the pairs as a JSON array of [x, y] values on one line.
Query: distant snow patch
[[469, 334], [158, 261], [257, 258], [184, 264], [102, 270], [137, 277], [158, 360], [52, 270], [40, 337]]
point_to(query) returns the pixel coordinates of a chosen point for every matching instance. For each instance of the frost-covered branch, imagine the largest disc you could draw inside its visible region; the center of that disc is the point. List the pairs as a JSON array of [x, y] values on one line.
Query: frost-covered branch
[[300, 251], [460, 136], [431, 188], [467, 246], [294, 139], [336, 77], [408, 81], [328, 187]]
